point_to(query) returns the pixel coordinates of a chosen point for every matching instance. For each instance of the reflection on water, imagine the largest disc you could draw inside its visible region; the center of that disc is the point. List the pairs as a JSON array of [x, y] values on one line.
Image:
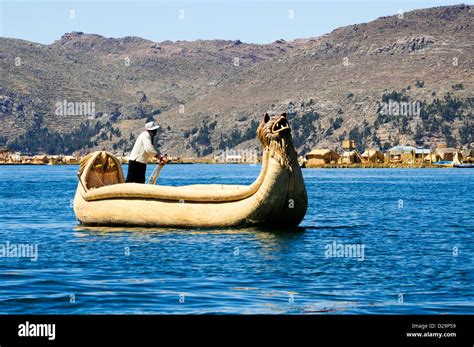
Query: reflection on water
[[409, 249], [270, 236]]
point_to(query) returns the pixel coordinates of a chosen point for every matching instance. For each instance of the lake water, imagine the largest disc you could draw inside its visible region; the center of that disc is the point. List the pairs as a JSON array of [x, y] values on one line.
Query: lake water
[[411, 232]]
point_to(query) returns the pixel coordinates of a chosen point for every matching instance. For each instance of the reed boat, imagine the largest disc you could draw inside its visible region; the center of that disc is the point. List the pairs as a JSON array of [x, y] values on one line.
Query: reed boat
[[464, 166], [460, 164], [276, 198], [443, 163]]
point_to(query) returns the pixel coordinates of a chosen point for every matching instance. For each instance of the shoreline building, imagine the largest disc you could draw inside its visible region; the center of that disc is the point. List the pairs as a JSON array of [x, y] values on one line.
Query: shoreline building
[[9, 157], [402, 154], [373, 156], [422, 155], [444, 154], [321, 156], [237, 156], [350, 155]]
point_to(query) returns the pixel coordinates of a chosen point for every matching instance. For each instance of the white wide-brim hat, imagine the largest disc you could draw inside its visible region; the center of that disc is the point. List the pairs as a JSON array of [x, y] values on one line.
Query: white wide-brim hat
[[151, 126]]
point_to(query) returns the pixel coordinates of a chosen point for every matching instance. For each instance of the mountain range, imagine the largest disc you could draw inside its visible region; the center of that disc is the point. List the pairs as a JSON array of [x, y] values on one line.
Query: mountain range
[[402, 79]]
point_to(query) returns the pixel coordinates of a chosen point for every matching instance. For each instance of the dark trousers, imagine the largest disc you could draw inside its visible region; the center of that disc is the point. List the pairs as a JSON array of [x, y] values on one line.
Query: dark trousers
[[136, 172]]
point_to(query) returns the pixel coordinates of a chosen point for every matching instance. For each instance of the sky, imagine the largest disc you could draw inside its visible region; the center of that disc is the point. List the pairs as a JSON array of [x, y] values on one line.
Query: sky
[[261, 21]]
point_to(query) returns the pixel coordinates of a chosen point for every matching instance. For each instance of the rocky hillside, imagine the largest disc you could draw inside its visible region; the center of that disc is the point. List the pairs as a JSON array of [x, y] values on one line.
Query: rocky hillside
[[395, 80]]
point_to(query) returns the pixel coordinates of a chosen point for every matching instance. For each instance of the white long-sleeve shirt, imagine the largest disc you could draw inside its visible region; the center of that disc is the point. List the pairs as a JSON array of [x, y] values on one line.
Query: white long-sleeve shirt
[[143, 148]]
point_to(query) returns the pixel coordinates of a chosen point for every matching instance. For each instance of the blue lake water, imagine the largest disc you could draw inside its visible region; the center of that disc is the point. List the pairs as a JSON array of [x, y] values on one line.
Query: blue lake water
[[413, 229]]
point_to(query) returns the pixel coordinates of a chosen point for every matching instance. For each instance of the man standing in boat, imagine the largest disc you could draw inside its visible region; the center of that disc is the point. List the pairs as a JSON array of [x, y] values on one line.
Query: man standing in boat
[[143, 150]]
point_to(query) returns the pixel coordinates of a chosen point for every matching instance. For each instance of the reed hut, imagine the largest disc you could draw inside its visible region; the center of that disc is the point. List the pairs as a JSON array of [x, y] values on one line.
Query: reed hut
[[4, 155], [444, 154], [70, 159], [55, 160], [422, 155], [351, 157], [468, 155], [40, 159], [372, 156], [395, 156], [321, 156], [402, 154]]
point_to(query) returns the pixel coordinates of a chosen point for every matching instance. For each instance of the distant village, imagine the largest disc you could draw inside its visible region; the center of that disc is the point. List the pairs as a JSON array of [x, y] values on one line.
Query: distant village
[[8, 157], [398, 156], [12, 158]]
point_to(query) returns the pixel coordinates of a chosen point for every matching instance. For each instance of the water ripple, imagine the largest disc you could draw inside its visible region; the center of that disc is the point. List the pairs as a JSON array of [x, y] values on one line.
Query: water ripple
[[413, 225]]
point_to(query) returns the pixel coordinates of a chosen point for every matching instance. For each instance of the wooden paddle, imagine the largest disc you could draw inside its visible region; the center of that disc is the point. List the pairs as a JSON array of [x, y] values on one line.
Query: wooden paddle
[[157, 173], [158, 169]]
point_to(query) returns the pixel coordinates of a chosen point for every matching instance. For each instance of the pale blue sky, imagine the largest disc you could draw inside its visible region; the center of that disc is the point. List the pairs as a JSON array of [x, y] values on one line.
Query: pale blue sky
[[258, 21]]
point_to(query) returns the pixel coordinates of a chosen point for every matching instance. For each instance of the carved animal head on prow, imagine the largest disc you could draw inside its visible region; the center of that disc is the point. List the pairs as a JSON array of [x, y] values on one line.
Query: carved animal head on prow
[[275, 135]]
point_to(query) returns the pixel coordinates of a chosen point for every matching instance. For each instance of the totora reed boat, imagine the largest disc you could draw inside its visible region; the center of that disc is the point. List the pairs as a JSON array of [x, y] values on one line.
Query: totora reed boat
[[276, 198]]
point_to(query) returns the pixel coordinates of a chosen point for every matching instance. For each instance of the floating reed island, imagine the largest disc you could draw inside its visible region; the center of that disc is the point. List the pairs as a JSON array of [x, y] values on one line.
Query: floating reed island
[[14, 158], [395, 157], [8, 157]]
